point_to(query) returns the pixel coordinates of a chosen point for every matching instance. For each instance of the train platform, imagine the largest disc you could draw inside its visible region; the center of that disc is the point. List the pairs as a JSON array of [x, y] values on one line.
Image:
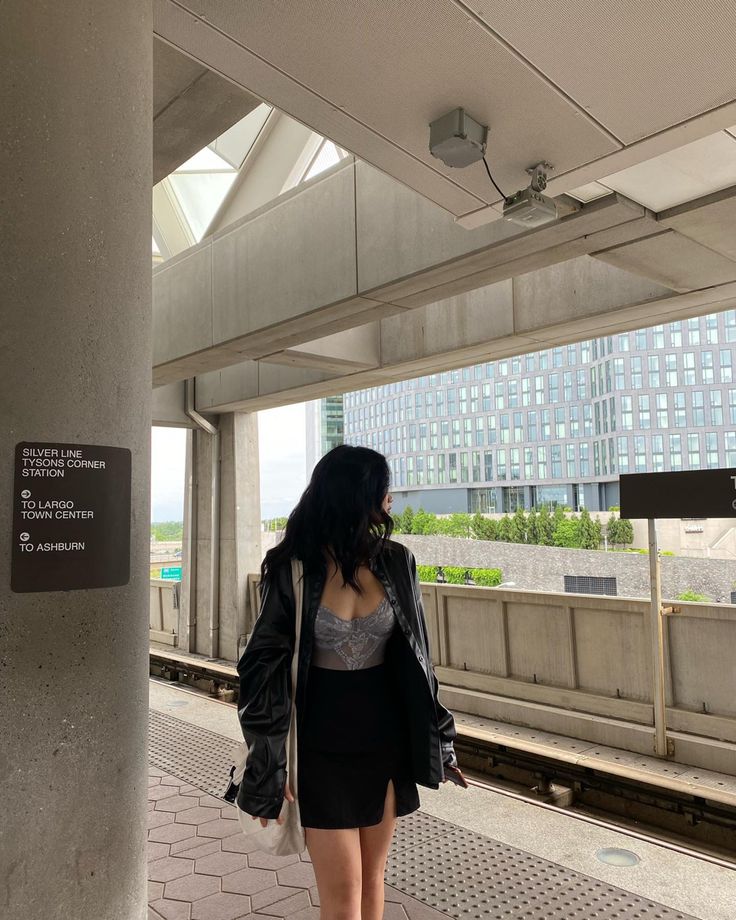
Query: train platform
[[466, 854]]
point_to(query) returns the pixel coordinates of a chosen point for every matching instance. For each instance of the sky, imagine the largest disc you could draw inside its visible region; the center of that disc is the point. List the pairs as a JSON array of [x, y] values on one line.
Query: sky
[[282, 443]]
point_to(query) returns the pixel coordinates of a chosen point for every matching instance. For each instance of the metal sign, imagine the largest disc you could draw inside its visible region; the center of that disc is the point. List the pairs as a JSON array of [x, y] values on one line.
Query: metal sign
[[172, 572], [71, 517], [691, 494]]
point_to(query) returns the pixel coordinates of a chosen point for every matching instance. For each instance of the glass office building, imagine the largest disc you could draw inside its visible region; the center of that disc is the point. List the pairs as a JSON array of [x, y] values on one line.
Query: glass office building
[[557, 426]]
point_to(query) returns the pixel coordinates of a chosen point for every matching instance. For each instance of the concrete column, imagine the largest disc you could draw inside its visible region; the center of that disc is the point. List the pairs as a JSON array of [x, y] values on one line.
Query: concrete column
[[240, 526], [222, 535], [75, 350]]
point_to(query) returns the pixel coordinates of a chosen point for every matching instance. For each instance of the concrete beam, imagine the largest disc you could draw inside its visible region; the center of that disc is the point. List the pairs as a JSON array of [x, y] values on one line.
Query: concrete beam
[[579, 299], [344, 250], [191, 107]]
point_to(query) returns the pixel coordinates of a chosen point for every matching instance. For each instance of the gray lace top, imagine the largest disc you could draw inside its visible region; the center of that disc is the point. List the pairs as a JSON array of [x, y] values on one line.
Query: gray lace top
[[350, 645]]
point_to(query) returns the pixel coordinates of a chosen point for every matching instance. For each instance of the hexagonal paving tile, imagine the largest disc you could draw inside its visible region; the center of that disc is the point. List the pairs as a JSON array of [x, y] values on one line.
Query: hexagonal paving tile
[[262, 899], [221, 863], [249, 881], [199, 846], [191, 887], [218, 828], [186, 843], [287, 906], [240, 843], [158, 818], [300, 875], [307, 913], [197, 815], [155, 890], [177, 803], [267, 861], [168, 868], [172, 910], [157, 850], [161, 792], [170, 833], [221, 907]]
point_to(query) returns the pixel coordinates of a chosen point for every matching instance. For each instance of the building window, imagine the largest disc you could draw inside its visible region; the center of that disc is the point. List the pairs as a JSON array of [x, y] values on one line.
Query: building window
[[711, 450], [729, 439], [491, 429], [623, 341], [693, 451], [560, 422], [479, 431], [518, 427], [670, 362], [676, 334], [456, 432], [486, 397], [541, 461], [623, 454], [658, 453], [698, 407], [640, 340], [574, 421], [637, 380], [501, 463], [499, 396], [706, 365], [729, 320], [662, 414], [658, 336], [441, 468], [546, 432], [488, 465], [513, 393], [680, 414], [556, 451], [453, 467], [693, 330], [570, 460], [711, 329], [468, 432], [653, 367], [514, 463], [531, 424], [554, 388], [528, 463], [464, 472], [675, 452], [645, 417], [716, 407], [726, 366], [688, 363], [619, 381], [505, 430], [640, 454], [584, 456]]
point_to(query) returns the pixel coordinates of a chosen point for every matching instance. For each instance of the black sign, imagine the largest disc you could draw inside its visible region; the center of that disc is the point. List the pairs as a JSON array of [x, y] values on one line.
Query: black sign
[[71, 517], [693, 494]]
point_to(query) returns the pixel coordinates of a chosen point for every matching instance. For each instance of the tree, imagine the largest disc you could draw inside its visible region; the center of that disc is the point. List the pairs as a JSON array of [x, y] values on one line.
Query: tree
[[532, 527], [546, 527], [587, 533], [424, 522], [612, 530], [504, 529], [407, 519], [567, 532], [483, 528], [625, 532], [517, 528]]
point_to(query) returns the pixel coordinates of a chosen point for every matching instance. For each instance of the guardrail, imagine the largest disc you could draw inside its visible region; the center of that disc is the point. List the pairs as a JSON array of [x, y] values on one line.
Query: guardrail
[[581, 665], [164, 611]]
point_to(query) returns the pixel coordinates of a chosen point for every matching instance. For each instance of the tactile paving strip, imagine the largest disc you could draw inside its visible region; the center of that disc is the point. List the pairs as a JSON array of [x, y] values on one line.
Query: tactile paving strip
[[458, 872], [201, 757]]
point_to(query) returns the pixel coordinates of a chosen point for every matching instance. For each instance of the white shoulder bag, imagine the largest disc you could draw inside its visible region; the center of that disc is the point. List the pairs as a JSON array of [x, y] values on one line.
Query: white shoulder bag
[[287, 838]]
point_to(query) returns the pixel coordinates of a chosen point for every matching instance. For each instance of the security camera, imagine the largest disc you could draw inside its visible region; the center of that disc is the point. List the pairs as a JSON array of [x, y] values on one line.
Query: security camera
[[529, 207]]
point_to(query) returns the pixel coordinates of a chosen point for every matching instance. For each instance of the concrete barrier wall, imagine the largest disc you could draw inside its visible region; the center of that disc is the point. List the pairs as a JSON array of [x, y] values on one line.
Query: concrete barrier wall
[[164, 611], [581, 665]]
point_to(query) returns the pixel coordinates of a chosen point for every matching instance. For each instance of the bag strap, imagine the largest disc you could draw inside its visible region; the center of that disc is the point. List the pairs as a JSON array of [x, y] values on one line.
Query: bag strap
[[297, 571]]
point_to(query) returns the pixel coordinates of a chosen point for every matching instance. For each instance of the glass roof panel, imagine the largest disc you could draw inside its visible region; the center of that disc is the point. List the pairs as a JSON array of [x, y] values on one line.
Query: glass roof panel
[[327, 156], [236, 142], [204, 161], [200, 195]]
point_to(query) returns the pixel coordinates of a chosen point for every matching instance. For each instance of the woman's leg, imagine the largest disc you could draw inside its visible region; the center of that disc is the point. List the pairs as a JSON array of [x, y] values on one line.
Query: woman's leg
[[375, 842], [335, 856]]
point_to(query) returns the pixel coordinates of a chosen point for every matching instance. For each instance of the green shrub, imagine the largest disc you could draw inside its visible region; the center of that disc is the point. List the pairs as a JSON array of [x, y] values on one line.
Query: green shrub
[[455, 575], [690, 595]]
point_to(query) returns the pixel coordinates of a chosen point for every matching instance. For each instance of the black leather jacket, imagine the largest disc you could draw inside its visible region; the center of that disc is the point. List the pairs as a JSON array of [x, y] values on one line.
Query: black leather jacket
[[264, 668]]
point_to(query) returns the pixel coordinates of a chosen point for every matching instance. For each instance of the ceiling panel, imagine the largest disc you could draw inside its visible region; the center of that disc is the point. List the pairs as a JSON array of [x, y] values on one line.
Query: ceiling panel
[[390, 68], [681, 175], [636, 67]]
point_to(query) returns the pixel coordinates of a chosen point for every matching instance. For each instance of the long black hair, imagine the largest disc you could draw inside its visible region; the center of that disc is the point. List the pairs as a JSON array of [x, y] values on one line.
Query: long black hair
[[339, 513]]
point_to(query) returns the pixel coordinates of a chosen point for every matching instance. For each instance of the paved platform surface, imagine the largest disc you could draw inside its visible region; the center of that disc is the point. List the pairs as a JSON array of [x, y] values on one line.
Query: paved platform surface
[[203, 868]]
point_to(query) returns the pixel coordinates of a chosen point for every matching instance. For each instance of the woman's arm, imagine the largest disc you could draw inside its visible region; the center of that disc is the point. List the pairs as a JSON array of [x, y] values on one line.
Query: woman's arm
[[265, 698], [445, 719]]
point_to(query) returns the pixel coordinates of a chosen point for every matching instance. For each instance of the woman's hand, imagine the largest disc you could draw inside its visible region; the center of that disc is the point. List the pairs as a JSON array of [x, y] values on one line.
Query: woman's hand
[[289, 797]]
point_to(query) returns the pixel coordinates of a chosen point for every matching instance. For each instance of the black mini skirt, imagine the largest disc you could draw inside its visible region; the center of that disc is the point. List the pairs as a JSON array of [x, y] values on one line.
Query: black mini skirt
[[352, 741]]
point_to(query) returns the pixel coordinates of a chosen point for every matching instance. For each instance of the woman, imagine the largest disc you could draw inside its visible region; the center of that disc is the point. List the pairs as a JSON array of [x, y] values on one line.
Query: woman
[[369, 723]]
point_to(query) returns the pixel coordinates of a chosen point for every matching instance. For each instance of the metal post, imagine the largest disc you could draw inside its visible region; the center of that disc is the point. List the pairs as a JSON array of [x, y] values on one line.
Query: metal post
[[657, 631]]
